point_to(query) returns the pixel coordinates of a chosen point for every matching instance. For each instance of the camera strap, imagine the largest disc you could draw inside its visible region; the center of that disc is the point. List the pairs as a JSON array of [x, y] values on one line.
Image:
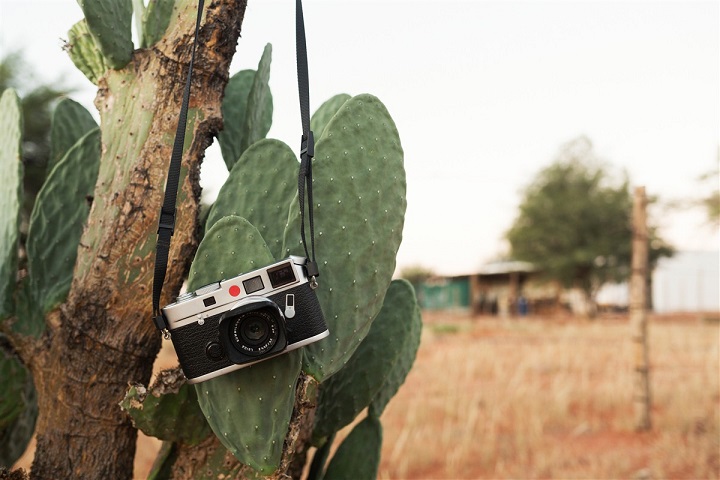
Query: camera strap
[[166, 223], [307, 145]]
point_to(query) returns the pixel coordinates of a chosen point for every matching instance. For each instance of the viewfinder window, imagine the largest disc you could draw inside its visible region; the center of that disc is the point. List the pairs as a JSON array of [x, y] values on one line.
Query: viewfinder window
[[253, 285], [281, 275]]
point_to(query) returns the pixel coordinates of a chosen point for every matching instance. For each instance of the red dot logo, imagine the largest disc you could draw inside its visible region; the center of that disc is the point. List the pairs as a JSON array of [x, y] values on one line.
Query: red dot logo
[[234, 290]]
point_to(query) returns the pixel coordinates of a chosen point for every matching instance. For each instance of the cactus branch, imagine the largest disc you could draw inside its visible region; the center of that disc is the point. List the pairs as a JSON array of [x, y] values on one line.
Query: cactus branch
[[106, 335]]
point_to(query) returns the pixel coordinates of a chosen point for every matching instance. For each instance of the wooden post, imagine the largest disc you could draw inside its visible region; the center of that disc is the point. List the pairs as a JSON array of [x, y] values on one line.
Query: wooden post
[[638, 311]]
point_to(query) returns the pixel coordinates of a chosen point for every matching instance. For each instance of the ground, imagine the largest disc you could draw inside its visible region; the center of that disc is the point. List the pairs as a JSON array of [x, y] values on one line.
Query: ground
[[541, 397]]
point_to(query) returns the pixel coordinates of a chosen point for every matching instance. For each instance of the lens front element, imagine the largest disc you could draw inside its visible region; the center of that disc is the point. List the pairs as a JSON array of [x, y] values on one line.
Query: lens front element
[[255, 332]]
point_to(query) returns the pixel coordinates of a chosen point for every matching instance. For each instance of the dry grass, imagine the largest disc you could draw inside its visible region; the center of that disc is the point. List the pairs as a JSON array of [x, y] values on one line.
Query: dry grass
[[540, 398], [546, 398]]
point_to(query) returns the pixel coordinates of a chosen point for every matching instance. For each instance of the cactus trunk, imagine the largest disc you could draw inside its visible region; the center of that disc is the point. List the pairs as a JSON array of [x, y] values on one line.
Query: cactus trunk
[[97, 339]]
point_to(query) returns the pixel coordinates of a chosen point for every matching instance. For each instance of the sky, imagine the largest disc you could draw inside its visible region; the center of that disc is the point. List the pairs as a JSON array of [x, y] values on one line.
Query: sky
[[484, 94]]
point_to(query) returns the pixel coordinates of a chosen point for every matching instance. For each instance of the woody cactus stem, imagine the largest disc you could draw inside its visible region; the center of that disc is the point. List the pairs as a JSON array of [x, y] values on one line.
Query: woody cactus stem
[[80, 317]]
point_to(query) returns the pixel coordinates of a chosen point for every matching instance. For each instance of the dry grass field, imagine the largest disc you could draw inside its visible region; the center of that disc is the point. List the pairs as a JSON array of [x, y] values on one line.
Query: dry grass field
[[551, 398], [547, 398]]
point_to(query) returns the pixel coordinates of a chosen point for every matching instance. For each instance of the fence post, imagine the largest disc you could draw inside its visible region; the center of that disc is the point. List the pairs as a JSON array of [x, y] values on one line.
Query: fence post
[[638, 311]]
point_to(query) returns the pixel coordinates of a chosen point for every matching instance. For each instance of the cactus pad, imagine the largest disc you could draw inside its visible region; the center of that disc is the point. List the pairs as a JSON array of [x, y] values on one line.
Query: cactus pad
[[260, 188], [258, 117], [358, 457], [167, 410], [231, 246], [325, 112], [401, 296], [248, 409], [70, 122], [57, 221], [109, 23], [11, 194], [84, 52], [344, 395], [18, 407], [155, 20], [359, 212], [247, 99]]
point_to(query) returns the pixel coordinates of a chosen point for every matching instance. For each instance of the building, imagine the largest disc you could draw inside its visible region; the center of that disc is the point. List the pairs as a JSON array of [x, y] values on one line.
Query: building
[[498, 288], [686, 282]]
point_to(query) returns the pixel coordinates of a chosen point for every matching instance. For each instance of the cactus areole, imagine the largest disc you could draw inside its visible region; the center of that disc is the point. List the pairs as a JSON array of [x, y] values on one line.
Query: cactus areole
[[249, 309]]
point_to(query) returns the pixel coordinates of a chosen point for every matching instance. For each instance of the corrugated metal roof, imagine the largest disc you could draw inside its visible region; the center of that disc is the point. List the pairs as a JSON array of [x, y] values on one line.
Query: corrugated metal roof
[[513, 266]]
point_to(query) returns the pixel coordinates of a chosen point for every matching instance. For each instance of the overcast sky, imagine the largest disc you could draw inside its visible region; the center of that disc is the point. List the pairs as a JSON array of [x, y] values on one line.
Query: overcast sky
[[484, 94]]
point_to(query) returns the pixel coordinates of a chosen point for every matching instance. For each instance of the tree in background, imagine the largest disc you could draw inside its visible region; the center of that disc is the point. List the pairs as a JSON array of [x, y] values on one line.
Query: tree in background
[[416, 274], [575, 222], [711, 202]]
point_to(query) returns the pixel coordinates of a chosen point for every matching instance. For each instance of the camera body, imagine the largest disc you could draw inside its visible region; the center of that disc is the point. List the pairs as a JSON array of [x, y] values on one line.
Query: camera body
[[231, 324]]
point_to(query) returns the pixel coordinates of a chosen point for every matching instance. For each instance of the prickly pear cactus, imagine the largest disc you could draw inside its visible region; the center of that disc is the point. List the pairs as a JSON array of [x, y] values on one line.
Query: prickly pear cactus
[[11, 193], [260, 187], [369, 372], [109, 24], [18, 407], [327, 110], [84, 53], [168, 410], [155, 20], [248, 409], [57, 220], [247, 110], [358, 457], [359, 213], [70, 122]]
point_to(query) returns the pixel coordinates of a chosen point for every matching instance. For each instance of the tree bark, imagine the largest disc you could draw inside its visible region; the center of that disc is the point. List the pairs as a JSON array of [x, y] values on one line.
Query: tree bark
[[102, 337]]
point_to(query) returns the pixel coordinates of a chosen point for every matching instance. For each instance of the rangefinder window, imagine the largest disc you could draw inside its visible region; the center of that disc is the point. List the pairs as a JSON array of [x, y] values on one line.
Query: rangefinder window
[[281, 275], [253, 285]]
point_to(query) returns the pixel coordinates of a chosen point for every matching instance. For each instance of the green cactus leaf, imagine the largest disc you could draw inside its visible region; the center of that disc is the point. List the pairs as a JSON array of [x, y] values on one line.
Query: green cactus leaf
[[234, 107], [260, 188], [359, 205], [258, 117], [162, 466], [11, 195], [70, 122], [327, 110], [247, 110], [344, 395], [358, 457], [248, 409], [168, 410], [155, 20], [317, 467], [109, 23], [230, 247], [18, 406], [403, 299], [57, 221], [84, 52]]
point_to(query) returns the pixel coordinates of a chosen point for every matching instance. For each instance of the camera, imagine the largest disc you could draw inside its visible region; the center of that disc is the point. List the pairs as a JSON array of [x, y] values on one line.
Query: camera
[[231, 324]]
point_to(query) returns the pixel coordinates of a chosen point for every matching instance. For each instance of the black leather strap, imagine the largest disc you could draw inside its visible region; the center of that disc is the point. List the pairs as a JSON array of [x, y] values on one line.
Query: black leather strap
[[166, 223], [307, 144]]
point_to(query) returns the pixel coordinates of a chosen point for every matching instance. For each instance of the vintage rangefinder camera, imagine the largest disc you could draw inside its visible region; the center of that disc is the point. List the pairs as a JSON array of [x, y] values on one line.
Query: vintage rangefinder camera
[[233, 323]]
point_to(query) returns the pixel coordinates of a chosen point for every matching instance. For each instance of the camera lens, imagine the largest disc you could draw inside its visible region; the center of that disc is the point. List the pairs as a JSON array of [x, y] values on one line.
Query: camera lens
[[253, 330], [255, 333]]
